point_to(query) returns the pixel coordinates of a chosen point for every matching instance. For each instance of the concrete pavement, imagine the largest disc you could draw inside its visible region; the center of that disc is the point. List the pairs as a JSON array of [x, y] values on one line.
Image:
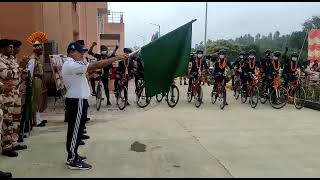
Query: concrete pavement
[[184, 141]]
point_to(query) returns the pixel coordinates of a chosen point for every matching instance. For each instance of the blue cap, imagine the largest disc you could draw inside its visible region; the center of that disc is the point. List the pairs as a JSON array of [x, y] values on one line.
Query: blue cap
[[74, 46]]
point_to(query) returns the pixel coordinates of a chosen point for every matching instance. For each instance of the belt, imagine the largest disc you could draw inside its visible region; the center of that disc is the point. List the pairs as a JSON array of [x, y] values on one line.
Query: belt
[[38, 76]]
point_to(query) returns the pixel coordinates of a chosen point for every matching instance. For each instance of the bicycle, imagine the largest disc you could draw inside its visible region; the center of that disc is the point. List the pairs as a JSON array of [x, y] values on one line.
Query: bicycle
[[172, 102], [122, 89], [251, 89], [220, 91], [196, 91], [275, 93], [141, 94], [296, 90], [122, 92], [237, 85], [99, 97]]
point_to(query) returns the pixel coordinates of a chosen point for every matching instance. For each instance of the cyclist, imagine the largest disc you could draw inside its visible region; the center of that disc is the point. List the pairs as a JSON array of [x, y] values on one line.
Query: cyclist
[[105, 75], [198, 64], [237, 64], [273, 68], [248, 68], [264, 64], [290, 68], [123, 66], [219, 69]]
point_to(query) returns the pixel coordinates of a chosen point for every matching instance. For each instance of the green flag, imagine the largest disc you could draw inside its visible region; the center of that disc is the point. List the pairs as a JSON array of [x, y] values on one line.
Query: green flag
[[166, 58]]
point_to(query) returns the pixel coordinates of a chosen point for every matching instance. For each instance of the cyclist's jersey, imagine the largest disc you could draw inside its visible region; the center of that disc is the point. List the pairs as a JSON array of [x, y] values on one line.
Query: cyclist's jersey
[[264, 63], [238, 63], [194, 67], [250, 68], [291, 67], [220, 68], [273, 68]]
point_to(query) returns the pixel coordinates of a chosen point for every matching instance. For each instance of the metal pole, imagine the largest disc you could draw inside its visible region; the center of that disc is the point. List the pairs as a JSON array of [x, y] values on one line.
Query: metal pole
[[205, 30]]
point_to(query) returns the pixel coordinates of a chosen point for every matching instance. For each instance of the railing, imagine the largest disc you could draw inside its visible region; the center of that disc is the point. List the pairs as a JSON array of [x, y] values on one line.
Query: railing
[[312, 88], [115, 17]]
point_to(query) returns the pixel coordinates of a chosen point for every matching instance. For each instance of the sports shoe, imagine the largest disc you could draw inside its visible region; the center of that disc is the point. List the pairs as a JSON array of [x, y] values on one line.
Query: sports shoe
[[83, 136], [79, 165], [84, 132], [81, 158], [108, 103], [93, 94], [81, 143]]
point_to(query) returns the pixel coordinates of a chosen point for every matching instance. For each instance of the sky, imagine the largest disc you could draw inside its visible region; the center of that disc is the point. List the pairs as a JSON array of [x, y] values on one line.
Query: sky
[[225, 20]]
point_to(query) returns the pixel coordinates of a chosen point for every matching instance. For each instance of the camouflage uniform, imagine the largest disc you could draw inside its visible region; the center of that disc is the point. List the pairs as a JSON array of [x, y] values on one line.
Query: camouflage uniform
[[1, 112], [37, 81], [9, 71]]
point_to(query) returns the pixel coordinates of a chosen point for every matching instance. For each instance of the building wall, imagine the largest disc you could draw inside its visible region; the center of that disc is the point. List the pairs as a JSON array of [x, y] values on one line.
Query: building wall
[[88, 24], [116, 28], [21, 22], [58, 20]]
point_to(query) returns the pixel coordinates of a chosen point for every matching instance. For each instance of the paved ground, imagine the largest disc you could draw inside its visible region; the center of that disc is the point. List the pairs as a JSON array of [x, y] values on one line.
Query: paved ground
[[180, 142]]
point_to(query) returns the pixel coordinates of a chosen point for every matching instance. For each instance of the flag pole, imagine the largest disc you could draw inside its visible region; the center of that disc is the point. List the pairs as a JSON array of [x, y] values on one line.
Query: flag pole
[[205, 30]]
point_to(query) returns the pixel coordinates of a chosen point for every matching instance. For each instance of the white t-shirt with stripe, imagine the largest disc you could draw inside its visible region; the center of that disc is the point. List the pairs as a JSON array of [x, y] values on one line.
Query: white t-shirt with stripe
[[75, 80]]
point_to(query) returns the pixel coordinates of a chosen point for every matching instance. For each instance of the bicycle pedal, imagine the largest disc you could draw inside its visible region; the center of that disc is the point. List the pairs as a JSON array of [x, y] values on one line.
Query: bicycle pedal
[[102, 99]]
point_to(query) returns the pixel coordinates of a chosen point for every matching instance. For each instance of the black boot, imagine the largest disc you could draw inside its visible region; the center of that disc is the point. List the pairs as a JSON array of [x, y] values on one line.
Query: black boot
[[5, 174], [9, 153]]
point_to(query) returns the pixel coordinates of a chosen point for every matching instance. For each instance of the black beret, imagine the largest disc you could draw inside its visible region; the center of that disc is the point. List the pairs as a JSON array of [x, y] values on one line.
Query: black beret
[[16, 43], [199, 51], [127, 50], [5, 43]]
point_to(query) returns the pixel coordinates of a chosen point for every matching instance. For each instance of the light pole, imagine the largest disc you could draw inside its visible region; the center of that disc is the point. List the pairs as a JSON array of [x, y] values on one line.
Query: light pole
[[158, 27], [205, 30], [143, 38]]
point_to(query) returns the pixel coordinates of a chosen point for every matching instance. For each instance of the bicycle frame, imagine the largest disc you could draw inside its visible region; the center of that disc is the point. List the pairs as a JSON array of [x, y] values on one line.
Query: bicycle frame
[[196, 84]]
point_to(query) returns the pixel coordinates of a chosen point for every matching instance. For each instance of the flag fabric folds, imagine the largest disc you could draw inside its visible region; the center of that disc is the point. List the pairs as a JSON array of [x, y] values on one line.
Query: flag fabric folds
[[166, 58]]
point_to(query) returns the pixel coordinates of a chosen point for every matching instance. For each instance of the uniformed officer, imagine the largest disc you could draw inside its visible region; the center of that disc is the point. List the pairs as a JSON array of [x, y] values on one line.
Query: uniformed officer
[[35, 67], [10, 76]]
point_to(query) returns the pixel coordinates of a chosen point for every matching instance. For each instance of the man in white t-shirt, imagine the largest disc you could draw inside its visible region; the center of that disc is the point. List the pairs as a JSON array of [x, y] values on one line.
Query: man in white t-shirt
[[74, 72]]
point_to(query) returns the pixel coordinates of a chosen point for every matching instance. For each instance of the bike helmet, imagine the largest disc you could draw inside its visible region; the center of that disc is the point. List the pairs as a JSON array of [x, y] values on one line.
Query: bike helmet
[[127, 50], [242, 53], [199, 52], [277, 54], [268, 51], [294, 54], [252, 51], [222, 52]]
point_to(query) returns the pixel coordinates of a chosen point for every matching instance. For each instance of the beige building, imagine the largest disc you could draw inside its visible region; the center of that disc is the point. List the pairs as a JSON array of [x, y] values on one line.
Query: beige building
[[63, 22]]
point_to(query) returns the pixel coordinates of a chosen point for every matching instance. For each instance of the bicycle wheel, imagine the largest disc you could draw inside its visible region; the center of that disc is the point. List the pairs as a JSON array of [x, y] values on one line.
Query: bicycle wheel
[[189, 96], [122, 98], [262, 93], [278, 97], [237, 91], [213, 97], [173, 96], [198, 97], [98, 97], [243, 96], [254, 97], [159, 97], [223, 98], [299, 97], [143, 101]]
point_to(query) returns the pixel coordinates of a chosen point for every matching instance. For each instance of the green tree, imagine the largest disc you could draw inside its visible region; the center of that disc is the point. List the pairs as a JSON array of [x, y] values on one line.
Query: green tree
[[312, 23]]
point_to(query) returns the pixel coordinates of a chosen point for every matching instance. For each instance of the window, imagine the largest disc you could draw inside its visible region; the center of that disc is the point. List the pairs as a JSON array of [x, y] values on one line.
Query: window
[[74, 6]]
